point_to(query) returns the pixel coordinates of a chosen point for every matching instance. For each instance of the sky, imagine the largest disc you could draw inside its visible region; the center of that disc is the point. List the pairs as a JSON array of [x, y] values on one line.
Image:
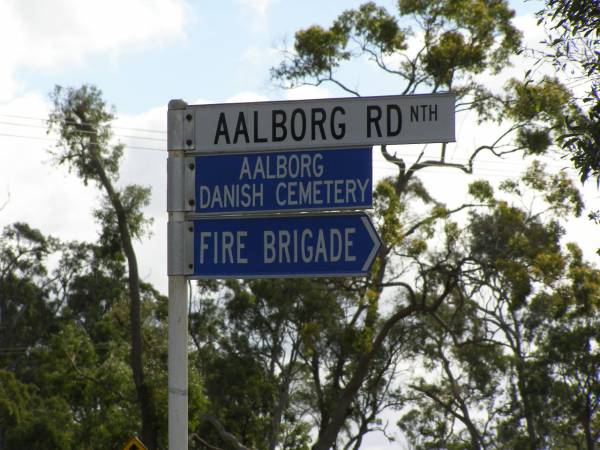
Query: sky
[[141, 54]]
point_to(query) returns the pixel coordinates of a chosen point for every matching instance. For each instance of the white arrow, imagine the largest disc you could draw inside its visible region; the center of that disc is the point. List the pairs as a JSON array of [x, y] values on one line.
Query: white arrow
[[376, 243]]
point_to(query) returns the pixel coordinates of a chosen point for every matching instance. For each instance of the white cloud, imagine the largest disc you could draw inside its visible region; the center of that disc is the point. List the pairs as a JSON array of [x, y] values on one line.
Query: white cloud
[[243, 97], [41, 194], [259, 7], [43, 35], [258, 10], [306, 92]]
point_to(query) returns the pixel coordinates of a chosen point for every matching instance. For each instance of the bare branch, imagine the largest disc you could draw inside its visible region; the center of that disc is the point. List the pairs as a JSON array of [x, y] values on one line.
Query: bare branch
[[340, 84], [393, 159], [225, 435], [6, 201], [420, 223], [203, 442]]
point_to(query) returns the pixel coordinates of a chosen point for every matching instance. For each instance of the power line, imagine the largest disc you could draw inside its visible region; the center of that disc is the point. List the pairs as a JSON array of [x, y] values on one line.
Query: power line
[[47, 139], [25, 125], [40, 119]]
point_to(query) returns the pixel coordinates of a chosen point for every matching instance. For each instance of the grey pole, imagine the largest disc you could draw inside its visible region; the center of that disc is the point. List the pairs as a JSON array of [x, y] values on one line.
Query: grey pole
[[178, 291]]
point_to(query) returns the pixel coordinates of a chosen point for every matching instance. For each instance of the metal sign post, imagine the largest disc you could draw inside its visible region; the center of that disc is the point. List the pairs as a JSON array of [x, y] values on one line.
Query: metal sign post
[[178, 292]]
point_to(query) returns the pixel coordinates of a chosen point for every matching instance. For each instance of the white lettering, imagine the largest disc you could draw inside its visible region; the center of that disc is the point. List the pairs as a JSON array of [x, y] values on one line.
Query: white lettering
[[281, 166], [348, 243], [284, 243], [279, 199], [293, 166], [245, 170], [241, 245], [224, 245], [320, 247], [338, 198], [268, 247], [308, 246], [259, 169], [335, 245], [363, 188], [318, 167], [292, 185], [307, 251], [350, 191], [203, 245], [204, 197]]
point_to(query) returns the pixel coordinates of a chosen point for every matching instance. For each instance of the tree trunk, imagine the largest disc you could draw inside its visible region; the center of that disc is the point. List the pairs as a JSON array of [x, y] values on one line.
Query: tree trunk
[[522, 378], [587, 425], [340, 411], [150, 425], [282, 402]]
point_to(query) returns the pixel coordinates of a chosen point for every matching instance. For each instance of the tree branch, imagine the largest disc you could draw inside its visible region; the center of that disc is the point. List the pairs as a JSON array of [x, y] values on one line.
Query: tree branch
[[203, 442], [225, 435]]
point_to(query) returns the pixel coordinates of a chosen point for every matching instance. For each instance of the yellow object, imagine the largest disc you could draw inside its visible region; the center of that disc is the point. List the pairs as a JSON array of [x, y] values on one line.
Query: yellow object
[[134, 444]]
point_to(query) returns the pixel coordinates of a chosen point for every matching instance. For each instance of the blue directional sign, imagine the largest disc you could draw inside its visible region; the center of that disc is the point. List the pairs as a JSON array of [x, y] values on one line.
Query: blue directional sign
[[284, 246], [333, 179]]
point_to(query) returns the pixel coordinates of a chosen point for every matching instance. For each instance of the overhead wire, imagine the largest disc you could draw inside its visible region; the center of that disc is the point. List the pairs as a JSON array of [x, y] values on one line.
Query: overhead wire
[[41, 119], [49, 139], [44, 138], [25, 125]]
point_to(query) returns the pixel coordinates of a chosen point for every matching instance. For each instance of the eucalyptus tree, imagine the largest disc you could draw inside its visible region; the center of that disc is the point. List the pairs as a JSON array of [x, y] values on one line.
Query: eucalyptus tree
[[573, 29], [501, 349], [83, 123], [428, 47]]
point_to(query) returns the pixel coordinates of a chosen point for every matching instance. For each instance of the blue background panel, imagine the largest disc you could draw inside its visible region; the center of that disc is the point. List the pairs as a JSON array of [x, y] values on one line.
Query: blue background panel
[[332, 179], [284, 246]]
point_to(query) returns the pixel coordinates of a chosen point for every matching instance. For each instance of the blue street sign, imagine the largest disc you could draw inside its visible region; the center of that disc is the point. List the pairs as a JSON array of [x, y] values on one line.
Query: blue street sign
[[332, 179], [284, 246]]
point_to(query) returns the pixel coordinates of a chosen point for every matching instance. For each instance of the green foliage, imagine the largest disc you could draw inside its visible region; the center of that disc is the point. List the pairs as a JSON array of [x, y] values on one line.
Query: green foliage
[[480, 25], [319, 52], [545, 100], [14, 400], [512, 360], [373, 26], [134, 199], [66, 381], [82, 121], [535, 141], [263, 327], [481, 190], [573, 37], [547, 112], [388, 209], [461, 38], [557, 190], [582, 140]]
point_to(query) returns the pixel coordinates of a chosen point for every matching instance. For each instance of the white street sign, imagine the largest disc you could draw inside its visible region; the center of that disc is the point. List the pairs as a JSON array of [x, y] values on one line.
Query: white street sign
[[322, 123]]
